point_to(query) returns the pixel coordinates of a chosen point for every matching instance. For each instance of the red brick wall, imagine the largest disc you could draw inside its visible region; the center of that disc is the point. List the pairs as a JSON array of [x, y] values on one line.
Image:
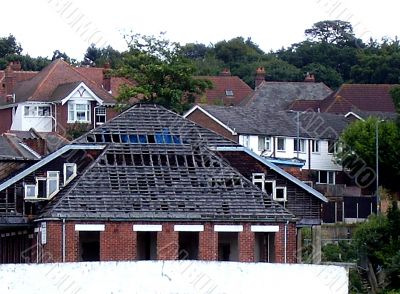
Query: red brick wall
[[290, 244], [208, 243], [205, 121], [167, 243], [246, 244], [6, 120], [118, 242]]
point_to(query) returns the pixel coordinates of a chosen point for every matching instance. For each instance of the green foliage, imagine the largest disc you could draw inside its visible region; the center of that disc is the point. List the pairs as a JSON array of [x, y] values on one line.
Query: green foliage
[[395, 93], [358, 142], [100, 56], [325, 74], [162, 74], [341, 252], [76, 130], [379, 240], [331, 31]]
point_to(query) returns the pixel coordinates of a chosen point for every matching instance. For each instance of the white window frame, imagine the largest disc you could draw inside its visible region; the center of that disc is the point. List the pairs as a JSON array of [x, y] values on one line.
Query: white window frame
[[284, 194], [284, 144], [229, 93], [273, 187], [259, 180], [302, 145], [315, 146], [334, 147], [66, 181], [72, 108], [246, 140], [26, 189], [328, 172], [37, 187], [48, 179], [96, 115], [36, 110], [264, 142]]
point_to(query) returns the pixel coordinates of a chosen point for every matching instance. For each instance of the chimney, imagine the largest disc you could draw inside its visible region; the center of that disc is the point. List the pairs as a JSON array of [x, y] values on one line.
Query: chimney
[[107, 77], [225, 73], [260, 76], [15, 65], [9, 80], [310, 78]]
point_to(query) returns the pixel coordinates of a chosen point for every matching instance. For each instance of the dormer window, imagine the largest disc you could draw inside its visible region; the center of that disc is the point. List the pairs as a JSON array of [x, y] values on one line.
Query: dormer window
[[280, 194], [45, 187], [69, 172], [229, 92]]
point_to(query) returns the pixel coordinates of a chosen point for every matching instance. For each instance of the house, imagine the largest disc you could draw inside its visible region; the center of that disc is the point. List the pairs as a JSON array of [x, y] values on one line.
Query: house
[[226, 90], [275, 96], [57, 97], [306, 140], [349, 97], [150, 184]]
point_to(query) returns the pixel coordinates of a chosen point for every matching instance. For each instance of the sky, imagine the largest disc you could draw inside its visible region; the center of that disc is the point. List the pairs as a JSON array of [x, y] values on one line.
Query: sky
[[42, 26]]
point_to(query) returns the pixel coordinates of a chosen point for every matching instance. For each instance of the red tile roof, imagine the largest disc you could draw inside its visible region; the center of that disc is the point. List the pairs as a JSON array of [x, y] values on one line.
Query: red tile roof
[[222, 84], [95, 74], [43, 84], [365, 97], [19, 76]]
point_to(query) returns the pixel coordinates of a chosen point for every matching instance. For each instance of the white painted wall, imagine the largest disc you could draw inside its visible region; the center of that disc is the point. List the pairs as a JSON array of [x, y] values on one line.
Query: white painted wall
[[172, 277], [22, 123], [319, 161]]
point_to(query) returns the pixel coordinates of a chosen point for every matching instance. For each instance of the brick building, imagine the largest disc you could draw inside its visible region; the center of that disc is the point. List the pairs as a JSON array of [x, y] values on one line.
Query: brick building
[[55, 98], [148, 184]]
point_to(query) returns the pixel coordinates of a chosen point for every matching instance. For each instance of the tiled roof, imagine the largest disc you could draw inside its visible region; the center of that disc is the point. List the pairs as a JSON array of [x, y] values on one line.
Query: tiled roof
[[252, 121], [43, 84], [19, 76], [275, 96], [236, 89], [95, 74], [158, 166], [365, 97], [11, 149]]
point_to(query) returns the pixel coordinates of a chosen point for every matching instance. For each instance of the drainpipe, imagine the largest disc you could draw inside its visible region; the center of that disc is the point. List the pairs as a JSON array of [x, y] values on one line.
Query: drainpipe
[[37, 247], [63, 240], [287, 222]]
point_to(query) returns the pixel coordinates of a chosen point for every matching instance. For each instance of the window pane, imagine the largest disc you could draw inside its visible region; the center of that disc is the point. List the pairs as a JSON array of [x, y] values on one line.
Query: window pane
[[323, 177], [281, 144], [331, 178], [261, 143], [269, 187], [43, 110], [280, 193], [30, 190], [80, 107], [52, 186]]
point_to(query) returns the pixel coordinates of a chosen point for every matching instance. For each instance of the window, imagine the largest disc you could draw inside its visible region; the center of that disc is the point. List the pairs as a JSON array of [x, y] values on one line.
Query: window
[[229, 92], [78, 112], [315, 146], [301, 144], [264, 143], [45, 187], [259, 181], [246, 141], [69, 172], [326, 177], [188, 245], [270, 187], [281, 144], [89, 246], [228, 246], [100, 115], [146, 245], [30, 191], [52, 183], [331, 146], [280, 194], [36, 111]]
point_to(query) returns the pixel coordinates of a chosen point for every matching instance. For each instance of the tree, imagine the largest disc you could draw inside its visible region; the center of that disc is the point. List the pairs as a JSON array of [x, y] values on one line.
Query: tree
[[324, 74], [99, 56], [378, 240], [395, 93], [161, 72], [332, 31], [9, 46], [58, 54], [358, 142]]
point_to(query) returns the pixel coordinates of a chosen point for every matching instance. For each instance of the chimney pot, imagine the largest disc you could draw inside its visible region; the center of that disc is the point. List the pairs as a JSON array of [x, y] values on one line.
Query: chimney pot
[[310, 78], [15, 65], [225, 73]]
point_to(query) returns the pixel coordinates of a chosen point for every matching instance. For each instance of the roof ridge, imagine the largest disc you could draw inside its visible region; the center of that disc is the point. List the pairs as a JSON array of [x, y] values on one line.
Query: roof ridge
[[53, 66]]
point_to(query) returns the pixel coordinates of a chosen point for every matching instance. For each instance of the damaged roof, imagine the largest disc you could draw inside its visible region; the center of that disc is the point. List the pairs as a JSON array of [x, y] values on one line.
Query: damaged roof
[[157, 166]]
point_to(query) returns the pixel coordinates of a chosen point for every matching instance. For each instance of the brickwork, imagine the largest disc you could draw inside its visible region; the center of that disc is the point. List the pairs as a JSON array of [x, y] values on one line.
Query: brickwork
[[208, 243], [118, 242], [246, 244]]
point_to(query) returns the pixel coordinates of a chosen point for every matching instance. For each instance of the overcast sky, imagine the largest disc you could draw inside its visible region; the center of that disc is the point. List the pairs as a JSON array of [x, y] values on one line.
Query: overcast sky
[[42, 26]]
